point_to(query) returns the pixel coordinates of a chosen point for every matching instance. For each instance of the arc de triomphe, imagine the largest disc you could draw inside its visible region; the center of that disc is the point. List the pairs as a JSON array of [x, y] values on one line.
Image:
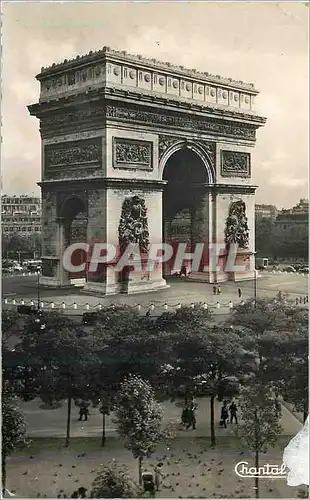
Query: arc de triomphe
[[120, 131]]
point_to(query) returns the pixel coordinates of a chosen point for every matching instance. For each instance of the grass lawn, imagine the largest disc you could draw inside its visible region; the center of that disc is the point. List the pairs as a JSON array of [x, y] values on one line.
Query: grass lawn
[[191, 468]]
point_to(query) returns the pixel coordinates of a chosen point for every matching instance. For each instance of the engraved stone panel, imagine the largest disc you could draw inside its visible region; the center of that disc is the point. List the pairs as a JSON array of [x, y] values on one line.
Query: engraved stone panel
[[235, 164], [72, 154], [208, 125], [130, 153]]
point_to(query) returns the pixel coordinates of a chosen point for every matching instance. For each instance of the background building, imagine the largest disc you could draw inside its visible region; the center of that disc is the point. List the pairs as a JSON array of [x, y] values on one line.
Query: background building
[[20, 214], [296, 218], [268, 211]]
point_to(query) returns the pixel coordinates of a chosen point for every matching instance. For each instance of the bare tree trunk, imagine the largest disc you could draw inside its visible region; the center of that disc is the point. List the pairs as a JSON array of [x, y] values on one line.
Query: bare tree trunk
[[68, 422], [212, 398], [140, 470], [256, 477], [3, 470], [103, 430]]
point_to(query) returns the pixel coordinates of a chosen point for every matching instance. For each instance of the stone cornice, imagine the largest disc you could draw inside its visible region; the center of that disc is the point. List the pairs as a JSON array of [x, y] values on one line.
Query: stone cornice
[[110, 182], [108, 54], [101, 183], [135, 97]]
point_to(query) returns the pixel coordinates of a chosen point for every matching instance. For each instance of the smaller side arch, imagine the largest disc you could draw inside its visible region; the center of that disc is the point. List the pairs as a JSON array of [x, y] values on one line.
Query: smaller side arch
[[198, 149], [71, 206]]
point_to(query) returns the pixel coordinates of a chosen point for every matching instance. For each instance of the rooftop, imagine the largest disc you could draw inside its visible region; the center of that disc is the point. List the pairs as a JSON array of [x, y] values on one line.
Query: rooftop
[[106, 53]]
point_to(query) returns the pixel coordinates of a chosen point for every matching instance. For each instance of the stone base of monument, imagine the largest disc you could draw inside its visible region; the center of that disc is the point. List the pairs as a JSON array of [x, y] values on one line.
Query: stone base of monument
[[140, 280], [129, 282], [244, 266], [208, 277]]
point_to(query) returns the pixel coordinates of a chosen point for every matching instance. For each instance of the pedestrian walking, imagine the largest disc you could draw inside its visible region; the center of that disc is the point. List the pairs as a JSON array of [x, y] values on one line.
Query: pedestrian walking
[[185, 416], [224, 416], [239, 293], [84, 412], [191, 419], [214, 290], [219, 290], [158, 475], [81, 413], [233, 412]]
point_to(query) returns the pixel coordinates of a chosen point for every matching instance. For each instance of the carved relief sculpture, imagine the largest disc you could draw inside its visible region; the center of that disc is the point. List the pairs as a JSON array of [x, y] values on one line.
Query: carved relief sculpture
[[235, 164], [133, 225], [129, 153], [237, 230], [72, 153]]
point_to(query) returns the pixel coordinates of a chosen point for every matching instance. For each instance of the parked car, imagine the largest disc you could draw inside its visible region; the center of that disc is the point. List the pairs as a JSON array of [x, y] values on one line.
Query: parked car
[[18, 268], [304, 270], [290, 269]]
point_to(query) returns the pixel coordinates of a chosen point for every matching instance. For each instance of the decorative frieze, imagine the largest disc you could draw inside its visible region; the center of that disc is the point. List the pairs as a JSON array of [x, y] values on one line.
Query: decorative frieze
[[78, 115], [235, 164], [86, 152], [194, 123], [130, 153]]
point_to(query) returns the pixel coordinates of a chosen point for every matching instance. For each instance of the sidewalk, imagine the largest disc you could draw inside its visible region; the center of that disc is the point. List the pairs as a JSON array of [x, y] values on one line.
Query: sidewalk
[[52, 423]]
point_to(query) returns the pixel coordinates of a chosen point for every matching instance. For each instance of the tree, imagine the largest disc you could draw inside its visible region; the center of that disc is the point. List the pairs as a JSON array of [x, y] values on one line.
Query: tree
[[276, 334], [285, 359], [114, 481], [264, 237], [138, 418], [204, 360], [257, 318], [15, 245], [193, 317], [224, 355], [54, 362], [13, 431], [260, 416]]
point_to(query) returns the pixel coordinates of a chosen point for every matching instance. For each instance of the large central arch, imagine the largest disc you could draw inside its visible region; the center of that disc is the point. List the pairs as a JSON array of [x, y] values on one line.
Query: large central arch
[[185, 213]]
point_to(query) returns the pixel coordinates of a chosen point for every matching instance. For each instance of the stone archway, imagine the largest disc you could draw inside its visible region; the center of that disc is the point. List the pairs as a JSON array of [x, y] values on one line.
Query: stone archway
[[73, 219], [186, 213]]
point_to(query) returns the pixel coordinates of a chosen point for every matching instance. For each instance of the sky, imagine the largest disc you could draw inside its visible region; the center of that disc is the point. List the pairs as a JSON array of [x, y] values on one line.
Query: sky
[[263, 43]]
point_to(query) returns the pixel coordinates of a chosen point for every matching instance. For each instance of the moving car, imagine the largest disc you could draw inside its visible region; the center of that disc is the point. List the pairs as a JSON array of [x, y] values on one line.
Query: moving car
[[290, 269]]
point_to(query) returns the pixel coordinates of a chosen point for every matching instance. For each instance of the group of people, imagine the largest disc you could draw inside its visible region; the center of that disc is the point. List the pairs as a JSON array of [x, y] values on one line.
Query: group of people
[[83, 412], [217, 291], [225, 411], [188, 417]]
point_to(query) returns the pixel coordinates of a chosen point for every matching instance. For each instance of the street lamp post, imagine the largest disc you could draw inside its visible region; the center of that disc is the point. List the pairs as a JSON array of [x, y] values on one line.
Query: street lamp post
[[38, 286]]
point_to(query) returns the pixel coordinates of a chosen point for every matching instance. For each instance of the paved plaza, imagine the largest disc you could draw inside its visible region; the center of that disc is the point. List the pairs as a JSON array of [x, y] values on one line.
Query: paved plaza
[[181, 291]]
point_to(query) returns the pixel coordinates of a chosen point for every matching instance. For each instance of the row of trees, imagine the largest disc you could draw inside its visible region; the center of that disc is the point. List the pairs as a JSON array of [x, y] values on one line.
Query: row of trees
[[17, 246], [262, 350], [279, 243]]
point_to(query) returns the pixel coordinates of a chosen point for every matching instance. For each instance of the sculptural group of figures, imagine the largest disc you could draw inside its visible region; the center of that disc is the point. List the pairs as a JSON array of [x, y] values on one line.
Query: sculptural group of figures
[[237, 230], [133, 225]]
